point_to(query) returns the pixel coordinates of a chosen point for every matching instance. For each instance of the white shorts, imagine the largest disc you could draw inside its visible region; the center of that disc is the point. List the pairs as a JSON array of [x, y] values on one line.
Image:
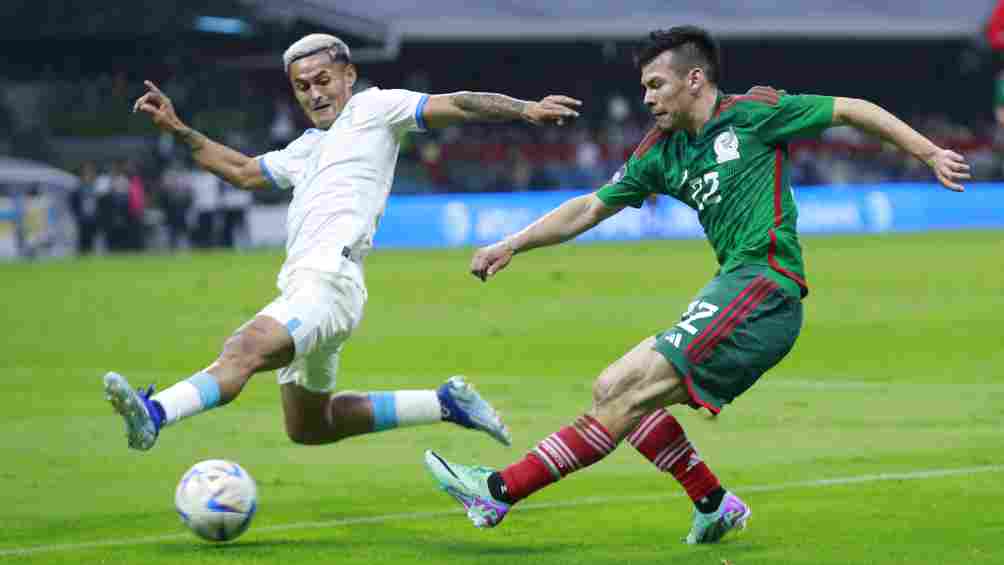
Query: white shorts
[[320, 310]]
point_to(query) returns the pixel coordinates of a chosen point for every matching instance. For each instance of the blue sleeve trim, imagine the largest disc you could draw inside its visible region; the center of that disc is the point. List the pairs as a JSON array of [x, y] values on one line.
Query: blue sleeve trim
[[268, 173], [384, 410], [209, 391], [419, 119]]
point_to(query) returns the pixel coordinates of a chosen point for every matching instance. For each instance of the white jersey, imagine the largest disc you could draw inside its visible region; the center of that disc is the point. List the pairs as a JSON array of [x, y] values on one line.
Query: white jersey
[[341, 178]]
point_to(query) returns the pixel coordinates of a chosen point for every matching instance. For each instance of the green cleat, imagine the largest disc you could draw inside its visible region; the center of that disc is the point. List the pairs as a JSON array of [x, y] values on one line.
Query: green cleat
[[469, 485], [732, 514]]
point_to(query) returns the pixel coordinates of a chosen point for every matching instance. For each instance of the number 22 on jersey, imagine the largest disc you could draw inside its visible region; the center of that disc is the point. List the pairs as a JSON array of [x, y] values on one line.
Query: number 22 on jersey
[[704, 190]]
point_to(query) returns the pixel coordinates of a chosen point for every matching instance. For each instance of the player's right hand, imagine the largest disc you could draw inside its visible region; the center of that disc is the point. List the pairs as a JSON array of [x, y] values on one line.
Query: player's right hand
[[491, 259], [553, 109], [160, 108]]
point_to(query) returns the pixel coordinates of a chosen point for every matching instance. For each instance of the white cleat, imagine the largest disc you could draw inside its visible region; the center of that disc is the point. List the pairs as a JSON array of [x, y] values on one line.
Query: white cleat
[[134, 407], [462, 405]]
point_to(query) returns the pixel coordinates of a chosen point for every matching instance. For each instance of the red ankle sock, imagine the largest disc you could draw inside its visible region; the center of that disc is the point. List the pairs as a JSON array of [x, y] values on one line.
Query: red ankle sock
[[660, 438], [569, 449]]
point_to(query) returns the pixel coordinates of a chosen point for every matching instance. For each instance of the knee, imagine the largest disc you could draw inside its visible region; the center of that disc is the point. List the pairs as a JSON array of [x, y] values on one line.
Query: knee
[[242, 351], [603, 387], [614, 389], [632, 390]]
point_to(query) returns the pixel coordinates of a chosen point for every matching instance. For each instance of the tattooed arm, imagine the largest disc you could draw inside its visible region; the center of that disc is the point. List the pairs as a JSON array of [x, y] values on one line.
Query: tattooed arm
[[445, 109], [229, 164], [233, 166]]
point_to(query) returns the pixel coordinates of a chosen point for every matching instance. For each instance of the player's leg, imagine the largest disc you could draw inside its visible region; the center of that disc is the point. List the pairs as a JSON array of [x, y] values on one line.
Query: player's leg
[[315, 414], [661, 438], [311, 419], [739, 326], [630, 388], [756, 328], [262, 344]]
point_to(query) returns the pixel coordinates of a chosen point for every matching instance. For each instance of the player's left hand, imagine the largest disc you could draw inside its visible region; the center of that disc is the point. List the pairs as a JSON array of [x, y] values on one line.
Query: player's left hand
[[491, 259], [553, 109], [950, 168]]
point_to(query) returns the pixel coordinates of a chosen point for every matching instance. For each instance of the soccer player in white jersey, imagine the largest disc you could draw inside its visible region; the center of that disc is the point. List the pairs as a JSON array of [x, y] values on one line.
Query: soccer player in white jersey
[[340, 173]]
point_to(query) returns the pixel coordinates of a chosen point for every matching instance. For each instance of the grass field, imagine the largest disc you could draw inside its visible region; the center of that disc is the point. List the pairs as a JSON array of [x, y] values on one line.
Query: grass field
[[878, 440]]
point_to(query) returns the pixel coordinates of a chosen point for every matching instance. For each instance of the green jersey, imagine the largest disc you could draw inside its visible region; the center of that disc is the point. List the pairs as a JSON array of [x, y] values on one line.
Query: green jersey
[[736, 174]]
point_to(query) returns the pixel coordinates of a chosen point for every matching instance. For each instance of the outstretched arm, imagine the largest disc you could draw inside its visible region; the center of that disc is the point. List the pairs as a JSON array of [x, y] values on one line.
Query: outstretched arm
[[949, 167], [445, 109], [233, 166], [563, 223]]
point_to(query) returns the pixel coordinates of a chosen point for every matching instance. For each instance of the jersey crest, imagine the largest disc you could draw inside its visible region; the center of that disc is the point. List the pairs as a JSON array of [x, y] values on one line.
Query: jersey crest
[[726, 146], [619, 174]]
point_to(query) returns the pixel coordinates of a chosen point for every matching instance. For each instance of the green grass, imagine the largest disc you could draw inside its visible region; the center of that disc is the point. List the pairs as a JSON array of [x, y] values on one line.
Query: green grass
[[898, 371]]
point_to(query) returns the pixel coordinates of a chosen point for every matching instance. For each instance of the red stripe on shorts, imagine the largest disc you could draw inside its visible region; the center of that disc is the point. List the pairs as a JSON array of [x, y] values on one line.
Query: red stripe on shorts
[[696, 398], [710, 329], [737, 317]]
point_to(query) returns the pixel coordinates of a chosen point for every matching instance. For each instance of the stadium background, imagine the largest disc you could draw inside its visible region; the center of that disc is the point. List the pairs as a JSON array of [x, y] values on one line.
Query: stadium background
[[876, 441], [73, 74]]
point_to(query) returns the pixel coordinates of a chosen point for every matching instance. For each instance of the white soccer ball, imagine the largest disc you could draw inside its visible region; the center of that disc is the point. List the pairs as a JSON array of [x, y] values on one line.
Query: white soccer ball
[[216, 499]]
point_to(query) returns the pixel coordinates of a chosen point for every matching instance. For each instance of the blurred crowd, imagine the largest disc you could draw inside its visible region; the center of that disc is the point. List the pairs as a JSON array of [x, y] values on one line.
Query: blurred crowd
[[157, 198], [119, 208], [475, 158]]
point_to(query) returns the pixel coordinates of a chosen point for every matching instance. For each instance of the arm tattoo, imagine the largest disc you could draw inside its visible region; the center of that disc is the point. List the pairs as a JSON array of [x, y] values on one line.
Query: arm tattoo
[[194, 139], [489, 107]]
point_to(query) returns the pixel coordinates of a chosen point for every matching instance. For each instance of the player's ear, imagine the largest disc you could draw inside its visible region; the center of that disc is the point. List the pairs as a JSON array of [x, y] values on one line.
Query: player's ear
[[695, 78], [350, 75]]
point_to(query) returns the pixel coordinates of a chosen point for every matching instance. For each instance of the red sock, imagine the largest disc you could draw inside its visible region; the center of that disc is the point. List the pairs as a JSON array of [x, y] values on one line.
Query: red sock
[[660, 438], [569, 449]]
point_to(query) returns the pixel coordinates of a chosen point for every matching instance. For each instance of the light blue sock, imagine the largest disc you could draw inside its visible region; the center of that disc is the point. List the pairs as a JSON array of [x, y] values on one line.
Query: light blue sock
[[209, 390], [384, 411], [403, 408], [191, 396]]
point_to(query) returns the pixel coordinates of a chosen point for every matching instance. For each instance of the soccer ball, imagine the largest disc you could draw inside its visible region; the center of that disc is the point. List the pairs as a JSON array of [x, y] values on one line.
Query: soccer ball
[[216, 499]]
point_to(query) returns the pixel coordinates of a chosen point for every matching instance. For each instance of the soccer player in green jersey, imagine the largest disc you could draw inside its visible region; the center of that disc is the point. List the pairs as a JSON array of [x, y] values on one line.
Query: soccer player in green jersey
[[726, 157]]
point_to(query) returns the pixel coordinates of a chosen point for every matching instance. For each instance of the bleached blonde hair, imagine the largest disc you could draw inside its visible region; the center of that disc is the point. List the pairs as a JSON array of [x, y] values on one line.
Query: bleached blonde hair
[[316, 43]]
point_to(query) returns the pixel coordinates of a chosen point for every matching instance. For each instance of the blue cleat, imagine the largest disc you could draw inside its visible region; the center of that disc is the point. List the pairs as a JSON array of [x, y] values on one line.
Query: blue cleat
[[732, 514], [462, 405], [142, 418]]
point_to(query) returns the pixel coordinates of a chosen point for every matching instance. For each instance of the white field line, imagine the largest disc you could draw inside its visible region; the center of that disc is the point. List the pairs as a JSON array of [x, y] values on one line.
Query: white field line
[[588, 501], [837, 385]]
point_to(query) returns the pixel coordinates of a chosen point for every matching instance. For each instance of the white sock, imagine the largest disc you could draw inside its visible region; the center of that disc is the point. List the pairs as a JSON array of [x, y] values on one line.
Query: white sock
[[196, 394], [404, 408]]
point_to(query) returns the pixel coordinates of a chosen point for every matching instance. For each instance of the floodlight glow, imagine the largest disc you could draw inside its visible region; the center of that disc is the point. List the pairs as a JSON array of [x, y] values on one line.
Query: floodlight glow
[[214, 24]]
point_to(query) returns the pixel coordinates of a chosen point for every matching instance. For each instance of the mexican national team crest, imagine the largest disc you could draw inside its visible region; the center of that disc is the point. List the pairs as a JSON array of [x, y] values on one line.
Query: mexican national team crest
[[619, 174], [727, 146]]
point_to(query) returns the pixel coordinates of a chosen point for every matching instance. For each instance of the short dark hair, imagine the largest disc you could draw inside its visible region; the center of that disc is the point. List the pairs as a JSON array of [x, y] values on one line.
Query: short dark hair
[[694, 47]]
